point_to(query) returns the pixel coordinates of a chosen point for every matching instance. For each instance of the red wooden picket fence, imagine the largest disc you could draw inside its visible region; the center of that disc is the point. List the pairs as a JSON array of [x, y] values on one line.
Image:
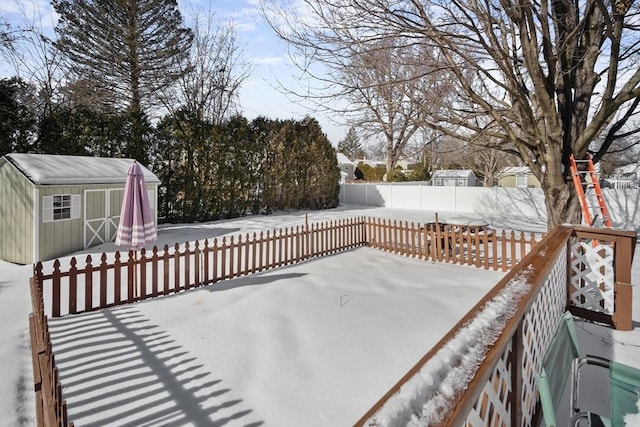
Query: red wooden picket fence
[[458, 244], [78, 289], [165, 271], [51, 408]]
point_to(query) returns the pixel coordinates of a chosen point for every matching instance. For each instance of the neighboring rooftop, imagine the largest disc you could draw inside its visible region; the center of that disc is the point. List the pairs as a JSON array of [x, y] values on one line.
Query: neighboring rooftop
[[452, 173], [342, 159], [50, 169], [515, 170]]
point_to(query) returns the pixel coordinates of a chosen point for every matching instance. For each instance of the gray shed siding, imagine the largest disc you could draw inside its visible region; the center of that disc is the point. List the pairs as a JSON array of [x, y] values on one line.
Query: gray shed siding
[[34, 226], [60, 237], [16, 215]]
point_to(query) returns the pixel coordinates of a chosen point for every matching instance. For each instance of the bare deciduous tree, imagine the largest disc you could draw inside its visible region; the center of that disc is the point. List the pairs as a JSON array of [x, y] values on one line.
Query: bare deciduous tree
[[212, 77], [546, 79], [382, 85], [34, 58]]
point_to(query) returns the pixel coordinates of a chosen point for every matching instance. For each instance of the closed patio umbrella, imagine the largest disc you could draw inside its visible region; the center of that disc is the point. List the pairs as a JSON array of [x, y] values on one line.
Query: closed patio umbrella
[[137, 226]]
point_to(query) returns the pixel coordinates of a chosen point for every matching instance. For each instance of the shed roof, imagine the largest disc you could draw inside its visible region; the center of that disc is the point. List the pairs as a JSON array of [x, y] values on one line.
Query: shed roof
[[452, 173], [515, 170], [51, 169]]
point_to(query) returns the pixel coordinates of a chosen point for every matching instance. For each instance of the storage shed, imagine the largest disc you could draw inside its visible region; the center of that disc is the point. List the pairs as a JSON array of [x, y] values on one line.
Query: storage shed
[[52, 205], [454, 178], [518, 177]]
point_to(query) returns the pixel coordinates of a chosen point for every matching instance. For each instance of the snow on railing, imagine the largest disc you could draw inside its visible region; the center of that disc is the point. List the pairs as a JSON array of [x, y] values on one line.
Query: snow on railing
[[483, 371]]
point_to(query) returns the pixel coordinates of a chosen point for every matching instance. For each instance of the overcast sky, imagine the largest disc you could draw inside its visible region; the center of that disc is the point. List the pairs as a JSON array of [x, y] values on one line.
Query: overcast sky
[[261, 93]]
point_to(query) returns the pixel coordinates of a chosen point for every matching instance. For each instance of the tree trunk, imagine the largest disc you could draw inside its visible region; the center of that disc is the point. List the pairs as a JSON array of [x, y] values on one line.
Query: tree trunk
[[562, 204]]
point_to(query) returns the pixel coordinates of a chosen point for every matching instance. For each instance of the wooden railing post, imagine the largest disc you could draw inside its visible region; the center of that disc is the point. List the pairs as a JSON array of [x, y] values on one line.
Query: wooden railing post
[[615, 249], [622, 291], [517, 362]]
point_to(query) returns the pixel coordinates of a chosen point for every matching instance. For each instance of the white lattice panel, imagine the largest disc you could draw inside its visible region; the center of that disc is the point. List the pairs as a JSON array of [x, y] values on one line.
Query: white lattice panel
[[539, 325], [592, 276], [493, 407]]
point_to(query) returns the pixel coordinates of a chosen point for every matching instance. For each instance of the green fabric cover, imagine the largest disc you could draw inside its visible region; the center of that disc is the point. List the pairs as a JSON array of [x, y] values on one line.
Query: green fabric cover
[[556, 367], [625, 391]]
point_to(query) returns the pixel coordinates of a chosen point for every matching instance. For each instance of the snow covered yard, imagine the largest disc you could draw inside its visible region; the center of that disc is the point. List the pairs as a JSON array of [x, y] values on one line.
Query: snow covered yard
[[312, 344], [185, 379]]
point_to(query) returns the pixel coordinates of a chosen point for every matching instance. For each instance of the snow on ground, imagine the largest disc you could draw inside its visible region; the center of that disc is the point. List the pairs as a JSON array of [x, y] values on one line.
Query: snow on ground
[[314, 344], [302, 345]]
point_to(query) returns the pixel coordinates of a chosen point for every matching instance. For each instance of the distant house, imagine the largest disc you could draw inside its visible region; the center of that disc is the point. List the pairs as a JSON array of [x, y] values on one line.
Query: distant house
[[517, 177], [347, 168], [454, 178], [626, 176], [55, 205]]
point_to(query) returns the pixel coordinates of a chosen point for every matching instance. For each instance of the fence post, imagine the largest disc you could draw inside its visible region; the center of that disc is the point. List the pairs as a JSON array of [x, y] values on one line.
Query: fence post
[[232, 253], [103, 280], [55, 296], [117, 281], [254, 248], [187, 266], [214, 259], [165, 269], [247, 250], [239, 246], [261, 249], [154, 272], [196, 258], [73, 286], [131, 266], [176, 268], [88, 285], [503, 241], [143, 273], [205, 253]]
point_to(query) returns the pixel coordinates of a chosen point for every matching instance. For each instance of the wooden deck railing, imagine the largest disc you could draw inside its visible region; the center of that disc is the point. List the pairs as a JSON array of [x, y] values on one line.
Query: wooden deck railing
[[491, 380]]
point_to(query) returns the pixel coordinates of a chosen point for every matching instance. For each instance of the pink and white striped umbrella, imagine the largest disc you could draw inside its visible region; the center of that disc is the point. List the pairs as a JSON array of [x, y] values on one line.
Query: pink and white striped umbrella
[[137, 226]]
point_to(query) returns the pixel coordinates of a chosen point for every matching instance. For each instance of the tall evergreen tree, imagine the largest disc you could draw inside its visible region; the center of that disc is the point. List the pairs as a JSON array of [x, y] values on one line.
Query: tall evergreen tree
[[350, 146], [129, 49]]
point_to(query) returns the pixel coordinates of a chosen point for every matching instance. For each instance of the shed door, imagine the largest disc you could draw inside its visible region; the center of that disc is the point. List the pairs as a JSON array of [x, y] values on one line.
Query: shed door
[[101, 215]]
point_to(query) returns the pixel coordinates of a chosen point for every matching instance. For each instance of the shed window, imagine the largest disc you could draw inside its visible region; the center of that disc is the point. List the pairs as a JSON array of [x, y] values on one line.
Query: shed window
[[521, 181], [60, 206]]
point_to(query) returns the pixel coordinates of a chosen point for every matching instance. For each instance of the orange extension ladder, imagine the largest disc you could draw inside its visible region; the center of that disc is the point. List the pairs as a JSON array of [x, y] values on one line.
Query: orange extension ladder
[[600, 211]]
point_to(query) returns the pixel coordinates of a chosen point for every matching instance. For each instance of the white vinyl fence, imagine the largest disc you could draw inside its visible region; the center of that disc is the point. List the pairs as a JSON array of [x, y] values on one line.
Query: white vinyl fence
[[623, 204]]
